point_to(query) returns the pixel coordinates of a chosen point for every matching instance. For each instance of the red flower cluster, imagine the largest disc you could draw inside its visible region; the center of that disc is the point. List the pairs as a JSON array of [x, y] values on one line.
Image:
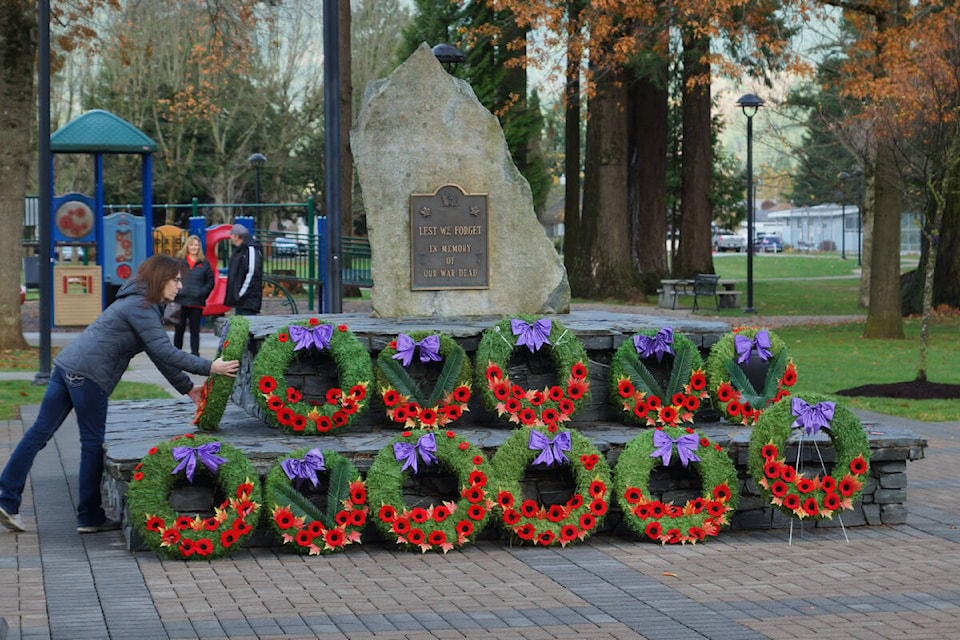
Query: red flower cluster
[[737, 411], [535, 408], [410, 414], [289, 410], [529, 520], [807, 497], [317, 538], [656, 410], [195, 536], [704, 517]]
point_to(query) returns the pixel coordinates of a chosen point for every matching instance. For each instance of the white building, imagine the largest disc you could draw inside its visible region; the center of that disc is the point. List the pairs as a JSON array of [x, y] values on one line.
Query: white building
[[830, 227]]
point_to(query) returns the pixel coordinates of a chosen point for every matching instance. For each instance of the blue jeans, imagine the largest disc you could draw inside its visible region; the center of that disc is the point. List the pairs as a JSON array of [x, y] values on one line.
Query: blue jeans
[[65, 392]]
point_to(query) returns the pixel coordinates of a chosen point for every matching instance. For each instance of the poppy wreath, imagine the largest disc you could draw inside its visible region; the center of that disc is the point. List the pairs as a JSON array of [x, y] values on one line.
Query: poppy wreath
[[530, 522], [284, 405], [439, 527], [217, 388], [792, 491], [532, 407], [191, 537], [635, 389], [300, 524], [699, 518], [732, 393], [406, 403]]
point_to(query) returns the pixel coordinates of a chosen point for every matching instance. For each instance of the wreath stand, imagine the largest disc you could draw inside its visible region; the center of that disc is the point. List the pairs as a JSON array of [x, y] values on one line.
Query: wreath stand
[[823, 467]]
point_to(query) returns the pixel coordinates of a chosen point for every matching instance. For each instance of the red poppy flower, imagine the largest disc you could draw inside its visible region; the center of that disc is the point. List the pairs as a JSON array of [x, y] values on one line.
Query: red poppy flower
[[528, 416], [267, 384], [569, 532], [726, 392], [478, 478], [437, 538], [518, 392], [392, 344], [575, 501], [293, 395], [155, 524], [654, 402], [313, 322], [529, 508], [298, 422], [678, 399], [549, 416], [285, 416], [390, 398], [240, 525], [779, 488], [473, 494], [721, 492], [186, 547], [597, 488], [805, 485], [625, 388], [789, 376], [358, 492], [576, 389], [349, 406], [452, 411], [810, 506], [333, 396], [578, 370], [587, 521], [416, 536], [428, 417], [505, 499], [450, 434], [566, 406], [342, 517], [555, 393], [788, 473], [203, 547], [526, 532], [828, 484], [358, 392], [478, 460], [419, 515], [640, 409], [698, 380], [401, 525], [692, 403], [669, 415], [440, 513], [315, 528], [858, 466], [274, 403], [334, 537], [696, 533], [848, 486], [704, 442], [769, 451], [642, 511], [463, 446], [657, 510], [831, 501], [184, 522], [771, 469], [358, 518], [152, 451], [170, 537], [513, 405], [228, 537], [461, 394], [324, 423], [653, 530], [387, 513], [400, 414], [598, 507], [587, 462], [511, 517], [555, 513], [340, 418], [283, 337], [464, 528], [791, 501], [341, 328], [476, 512], [734, 408], [546, 538], [494, 372], [138, 475], [303, 538]]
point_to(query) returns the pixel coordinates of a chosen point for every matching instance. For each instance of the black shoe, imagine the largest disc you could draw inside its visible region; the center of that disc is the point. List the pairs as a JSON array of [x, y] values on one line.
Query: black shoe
[[106, 525]]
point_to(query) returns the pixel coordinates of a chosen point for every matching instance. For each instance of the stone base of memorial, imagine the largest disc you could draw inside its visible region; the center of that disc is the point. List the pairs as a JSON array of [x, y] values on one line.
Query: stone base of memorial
[[135, 426]]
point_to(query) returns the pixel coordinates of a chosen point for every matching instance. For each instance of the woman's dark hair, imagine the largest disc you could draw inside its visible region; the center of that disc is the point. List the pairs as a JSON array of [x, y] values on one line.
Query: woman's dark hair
[[155, 272]]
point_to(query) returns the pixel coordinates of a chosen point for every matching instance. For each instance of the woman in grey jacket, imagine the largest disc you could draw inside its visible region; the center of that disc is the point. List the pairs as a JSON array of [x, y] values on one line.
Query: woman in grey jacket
[[84, 376]]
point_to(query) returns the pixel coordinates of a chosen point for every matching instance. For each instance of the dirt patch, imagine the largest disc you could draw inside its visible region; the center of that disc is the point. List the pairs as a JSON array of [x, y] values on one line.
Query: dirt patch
[[905, 390]]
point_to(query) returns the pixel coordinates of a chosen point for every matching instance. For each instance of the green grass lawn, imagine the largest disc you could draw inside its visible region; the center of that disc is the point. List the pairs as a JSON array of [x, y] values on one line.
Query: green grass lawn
[[14, 393]]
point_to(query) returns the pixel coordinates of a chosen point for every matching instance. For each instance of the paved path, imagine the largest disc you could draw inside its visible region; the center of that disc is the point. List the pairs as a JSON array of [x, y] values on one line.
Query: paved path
[[893, 582]]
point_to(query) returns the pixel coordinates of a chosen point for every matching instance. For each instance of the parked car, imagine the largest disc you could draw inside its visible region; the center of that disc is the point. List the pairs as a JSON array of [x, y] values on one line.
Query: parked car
[[725, 240], [768, 242], [285, 247]]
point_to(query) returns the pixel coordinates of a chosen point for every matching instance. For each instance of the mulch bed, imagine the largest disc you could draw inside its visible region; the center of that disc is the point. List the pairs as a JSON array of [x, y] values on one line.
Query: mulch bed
[[912, 390]]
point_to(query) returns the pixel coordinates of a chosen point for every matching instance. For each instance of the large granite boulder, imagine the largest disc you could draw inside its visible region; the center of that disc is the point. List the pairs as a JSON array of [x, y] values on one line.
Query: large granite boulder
[[419, 130]]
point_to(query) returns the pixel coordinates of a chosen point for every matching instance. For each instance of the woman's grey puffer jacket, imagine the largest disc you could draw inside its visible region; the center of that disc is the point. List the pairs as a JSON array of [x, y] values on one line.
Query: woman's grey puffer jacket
[[124, 329]]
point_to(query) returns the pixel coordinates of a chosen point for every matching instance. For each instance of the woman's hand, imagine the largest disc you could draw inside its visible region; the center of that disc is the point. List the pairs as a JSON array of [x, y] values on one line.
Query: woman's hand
[[196, 394], [223, 367]]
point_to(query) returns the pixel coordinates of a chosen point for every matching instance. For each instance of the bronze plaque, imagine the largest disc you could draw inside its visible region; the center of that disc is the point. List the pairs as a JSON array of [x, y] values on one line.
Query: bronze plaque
[[448, 240]]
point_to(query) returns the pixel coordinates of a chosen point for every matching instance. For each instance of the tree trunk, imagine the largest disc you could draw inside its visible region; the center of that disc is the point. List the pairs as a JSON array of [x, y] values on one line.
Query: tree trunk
[[883, 316], [647, 180], [18, 27], [346, 120], [606, 265], [946, 276], [866, 220], [571, 155], [694, 255]]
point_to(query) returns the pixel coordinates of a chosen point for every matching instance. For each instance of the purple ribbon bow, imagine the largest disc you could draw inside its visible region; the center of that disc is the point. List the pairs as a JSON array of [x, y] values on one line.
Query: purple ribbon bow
[[812, 418], [429, 349], [744, 345], [426, 446], [304, 468], [306, 337], [551, 451], [533, 335], [686, 447], [206, 453], [657, 345]]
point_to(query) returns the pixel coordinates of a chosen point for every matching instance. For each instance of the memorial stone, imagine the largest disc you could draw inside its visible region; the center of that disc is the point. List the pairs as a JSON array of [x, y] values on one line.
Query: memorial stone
[[450, 218]]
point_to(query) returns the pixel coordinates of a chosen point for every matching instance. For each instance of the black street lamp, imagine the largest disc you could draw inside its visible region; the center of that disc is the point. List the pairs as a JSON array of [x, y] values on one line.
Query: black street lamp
[[447, 54], [750, 103], [844, 176], [257, 160]]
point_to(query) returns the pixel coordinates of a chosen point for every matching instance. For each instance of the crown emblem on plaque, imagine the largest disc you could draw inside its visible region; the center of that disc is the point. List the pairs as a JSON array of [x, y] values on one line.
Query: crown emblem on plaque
[[449, 199]]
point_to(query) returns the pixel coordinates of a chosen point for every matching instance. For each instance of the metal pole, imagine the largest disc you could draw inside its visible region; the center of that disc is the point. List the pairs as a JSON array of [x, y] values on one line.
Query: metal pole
[[749, 308], [45, 179], [256, 194], [333, 292]]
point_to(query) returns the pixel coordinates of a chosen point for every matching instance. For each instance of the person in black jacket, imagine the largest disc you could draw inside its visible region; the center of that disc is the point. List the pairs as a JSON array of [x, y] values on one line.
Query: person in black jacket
[[197, 285], [84, 376], [245, 274]]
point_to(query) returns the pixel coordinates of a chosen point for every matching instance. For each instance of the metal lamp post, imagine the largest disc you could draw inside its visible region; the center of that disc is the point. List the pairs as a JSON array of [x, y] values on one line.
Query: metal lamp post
[[257, 160], [447, 54], [749, 103], [844, 176]]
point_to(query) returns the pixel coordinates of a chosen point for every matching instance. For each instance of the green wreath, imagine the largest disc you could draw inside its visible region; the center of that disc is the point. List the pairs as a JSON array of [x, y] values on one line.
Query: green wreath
[[297, 521], [667, 523], [635, 389], [532, 407], [284, 405], [439, 527], [192, 537], [731, 391], [216, 390], [529, 521], [410, 405], [796, 493]]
